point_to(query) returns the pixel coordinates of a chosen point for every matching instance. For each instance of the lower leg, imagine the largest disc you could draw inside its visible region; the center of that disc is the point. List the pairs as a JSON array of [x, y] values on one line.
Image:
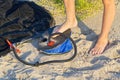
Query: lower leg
[[108, 17], [71, 20]]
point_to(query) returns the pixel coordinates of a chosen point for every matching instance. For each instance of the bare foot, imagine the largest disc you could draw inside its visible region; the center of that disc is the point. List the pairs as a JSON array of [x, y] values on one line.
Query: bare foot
[[66, 25], [99, 46]]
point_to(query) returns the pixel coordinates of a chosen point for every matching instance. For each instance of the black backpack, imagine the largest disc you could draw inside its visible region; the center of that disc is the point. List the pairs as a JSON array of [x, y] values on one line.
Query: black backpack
[[21, 20]]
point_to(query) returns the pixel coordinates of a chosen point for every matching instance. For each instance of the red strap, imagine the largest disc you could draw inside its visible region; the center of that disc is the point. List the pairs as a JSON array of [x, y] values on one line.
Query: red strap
[[11, 45]]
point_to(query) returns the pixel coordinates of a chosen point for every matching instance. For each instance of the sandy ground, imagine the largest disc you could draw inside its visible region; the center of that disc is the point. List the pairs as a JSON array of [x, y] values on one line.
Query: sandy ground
[[83, 67]]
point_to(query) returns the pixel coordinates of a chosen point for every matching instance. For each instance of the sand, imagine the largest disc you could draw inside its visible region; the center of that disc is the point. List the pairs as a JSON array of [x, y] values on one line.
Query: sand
[[83, 67]]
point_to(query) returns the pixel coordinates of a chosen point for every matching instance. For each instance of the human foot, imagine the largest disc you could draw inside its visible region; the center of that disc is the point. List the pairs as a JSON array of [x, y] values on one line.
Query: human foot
[[65, 26], [100, 46]]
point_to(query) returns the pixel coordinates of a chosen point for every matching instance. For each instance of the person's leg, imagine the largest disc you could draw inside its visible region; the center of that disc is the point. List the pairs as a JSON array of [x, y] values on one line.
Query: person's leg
[[71, 20], [108, 17]]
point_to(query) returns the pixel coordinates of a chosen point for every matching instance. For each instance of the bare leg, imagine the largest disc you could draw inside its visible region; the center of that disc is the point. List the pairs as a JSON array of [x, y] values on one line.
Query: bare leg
[[71, 20], [108, 17]]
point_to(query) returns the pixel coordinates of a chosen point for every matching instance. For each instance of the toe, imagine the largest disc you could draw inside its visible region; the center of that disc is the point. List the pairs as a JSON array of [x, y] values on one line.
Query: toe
[[96, 50], [101, 50], [56, 29], [93, 51]]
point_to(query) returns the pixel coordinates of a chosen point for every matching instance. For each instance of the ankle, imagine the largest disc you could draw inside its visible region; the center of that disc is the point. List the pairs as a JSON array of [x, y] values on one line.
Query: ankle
[[72, 22], [102, 38]]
